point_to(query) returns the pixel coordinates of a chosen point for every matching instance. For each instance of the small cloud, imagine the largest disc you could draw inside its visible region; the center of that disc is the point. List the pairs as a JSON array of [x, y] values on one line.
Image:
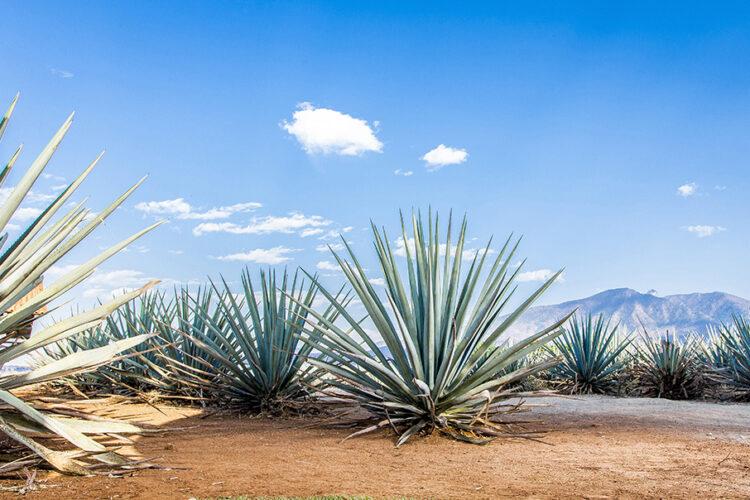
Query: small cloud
[[310, 232], [326, 265], [336, 247], [271, 256], [687, 189], [404, 173], [24, 214], [181, 209], [176, 252], [321, 130], [720, 188], [377, 281], [704, 231], [538, 275], [45, 175], [265, 225], [62, 73], [442, 156]]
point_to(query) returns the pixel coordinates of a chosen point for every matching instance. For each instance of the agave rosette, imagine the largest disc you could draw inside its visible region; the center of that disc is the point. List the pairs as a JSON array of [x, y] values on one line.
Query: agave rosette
[[438, 366]]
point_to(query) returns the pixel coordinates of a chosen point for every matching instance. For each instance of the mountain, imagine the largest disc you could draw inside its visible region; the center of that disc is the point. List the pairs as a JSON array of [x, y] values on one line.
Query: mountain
[[680, 314]]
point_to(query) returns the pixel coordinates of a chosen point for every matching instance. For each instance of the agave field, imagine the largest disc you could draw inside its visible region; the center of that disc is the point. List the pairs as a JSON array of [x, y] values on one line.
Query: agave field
[[429, 355]]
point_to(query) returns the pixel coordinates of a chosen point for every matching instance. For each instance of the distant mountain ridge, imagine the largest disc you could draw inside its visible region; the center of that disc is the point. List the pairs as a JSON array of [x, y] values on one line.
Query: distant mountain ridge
[[680, 314]]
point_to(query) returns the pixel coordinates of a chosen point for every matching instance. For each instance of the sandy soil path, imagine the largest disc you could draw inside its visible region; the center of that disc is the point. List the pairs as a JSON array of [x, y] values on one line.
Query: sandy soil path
[[597, 447]]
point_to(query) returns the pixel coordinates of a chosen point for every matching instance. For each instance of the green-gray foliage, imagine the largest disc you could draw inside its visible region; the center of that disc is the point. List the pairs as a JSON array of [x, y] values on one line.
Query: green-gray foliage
[[439, 325], [22, 265], [592, 354]]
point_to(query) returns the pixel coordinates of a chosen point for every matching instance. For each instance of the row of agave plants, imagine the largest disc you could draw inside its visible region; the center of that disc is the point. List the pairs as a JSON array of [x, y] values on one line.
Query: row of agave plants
[[596, 357], [441, 365]]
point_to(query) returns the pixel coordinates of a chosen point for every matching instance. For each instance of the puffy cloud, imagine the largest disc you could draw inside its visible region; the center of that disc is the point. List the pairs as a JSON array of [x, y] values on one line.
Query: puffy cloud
[[377, 281], [265, 225], [326, 265], [310, 232], [337, 247], [25, 214], [181, 209], [321, 130], [442, 156], [271, 256], [538, 275], [704, 231], [687, 189]]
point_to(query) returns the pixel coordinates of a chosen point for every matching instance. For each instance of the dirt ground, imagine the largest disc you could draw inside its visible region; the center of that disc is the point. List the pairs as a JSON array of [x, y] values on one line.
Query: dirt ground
[[597, 447]]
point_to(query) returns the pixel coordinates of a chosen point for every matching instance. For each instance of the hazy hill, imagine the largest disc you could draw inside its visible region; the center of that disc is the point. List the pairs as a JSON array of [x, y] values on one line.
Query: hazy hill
[[677, 313]]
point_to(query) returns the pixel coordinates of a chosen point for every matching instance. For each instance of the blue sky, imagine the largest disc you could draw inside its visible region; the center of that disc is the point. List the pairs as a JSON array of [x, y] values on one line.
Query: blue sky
[[614, 138]]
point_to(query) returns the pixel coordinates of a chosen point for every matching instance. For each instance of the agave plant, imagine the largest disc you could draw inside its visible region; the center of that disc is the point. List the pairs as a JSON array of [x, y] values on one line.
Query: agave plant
[[166, 366], [439, 366], [669, 368], [591, 352], [736, 343], [251, 341], [22, 266]]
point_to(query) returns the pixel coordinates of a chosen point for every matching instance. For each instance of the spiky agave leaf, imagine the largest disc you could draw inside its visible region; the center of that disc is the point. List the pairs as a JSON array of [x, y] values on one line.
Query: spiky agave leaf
[[668, 367], [251, 340], [166, 366], [735, 347], [591, 351], [438, 368], [22, 266]]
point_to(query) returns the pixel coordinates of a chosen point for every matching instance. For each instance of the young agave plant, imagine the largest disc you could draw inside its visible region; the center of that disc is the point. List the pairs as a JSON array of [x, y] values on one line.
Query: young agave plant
[[440, 368], [669, 368], [22, 265], [251, 341], [166, 366], [591, 355]]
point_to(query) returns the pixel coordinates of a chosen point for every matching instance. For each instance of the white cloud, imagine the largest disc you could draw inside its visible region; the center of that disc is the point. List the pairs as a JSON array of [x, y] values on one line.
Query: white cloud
[[720, 188], [687, 189], [407, 173], [538, 275], [310, 232], [377, 281], [326, 265], [336, 247], [24, 214], [108, 284], [45, 175], [183, 210], [321, 130], [442, 156], [176, 252], [62, 73], [271, 256], [34, 197], [265, 225], [704, 231], [334, 233]]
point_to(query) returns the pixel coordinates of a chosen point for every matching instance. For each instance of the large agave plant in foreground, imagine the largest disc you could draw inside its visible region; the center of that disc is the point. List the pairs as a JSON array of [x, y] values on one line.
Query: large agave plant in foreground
[[251, 344], [439, 368], [591, 353], [22, 265]]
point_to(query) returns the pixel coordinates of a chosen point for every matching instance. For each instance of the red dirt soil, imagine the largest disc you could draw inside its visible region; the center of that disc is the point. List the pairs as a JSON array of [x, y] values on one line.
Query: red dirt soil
[[596, 448]]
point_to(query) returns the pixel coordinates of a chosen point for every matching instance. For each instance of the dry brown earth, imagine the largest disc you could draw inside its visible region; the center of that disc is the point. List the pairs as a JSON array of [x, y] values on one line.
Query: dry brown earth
[[597, 447]]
